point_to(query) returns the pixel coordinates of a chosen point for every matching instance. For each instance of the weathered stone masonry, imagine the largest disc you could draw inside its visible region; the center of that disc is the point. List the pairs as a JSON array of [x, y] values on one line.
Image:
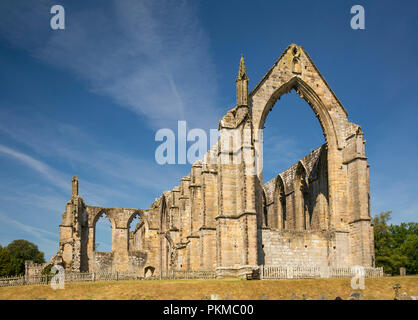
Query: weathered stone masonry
[[222, 217]]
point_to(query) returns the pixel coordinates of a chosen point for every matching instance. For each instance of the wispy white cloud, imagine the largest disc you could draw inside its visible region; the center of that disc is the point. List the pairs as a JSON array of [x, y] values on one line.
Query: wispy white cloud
[[46, 171], [118, 177], [149, 56], [96, 193], [34, 198], [30, 230]]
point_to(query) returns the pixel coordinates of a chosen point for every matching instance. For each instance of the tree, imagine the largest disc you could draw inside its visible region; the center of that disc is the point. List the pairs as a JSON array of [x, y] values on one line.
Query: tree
[[20, 251], [5, 263], [382, 236], [409, 248], [395, 245]]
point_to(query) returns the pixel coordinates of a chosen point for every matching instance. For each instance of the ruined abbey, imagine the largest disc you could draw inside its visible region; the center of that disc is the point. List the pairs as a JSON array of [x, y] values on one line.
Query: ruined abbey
[[223, 217]]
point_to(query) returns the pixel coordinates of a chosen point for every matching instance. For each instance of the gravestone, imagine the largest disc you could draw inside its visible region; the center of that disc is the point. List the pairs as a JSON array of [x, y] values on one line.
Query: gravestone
[[355, 296], [396, 287], [404, 296]]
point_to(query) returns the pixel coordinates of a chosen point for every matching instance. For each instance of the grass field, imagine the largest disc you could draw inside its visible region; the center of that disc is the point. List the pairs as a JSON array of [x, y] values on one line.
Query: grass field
[[375, 288]]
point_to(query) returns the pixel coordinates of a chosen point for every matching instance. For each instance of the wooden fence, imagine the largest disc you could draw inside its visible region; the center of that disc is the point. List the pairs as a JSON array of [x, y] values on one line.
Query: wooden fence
[[266, 273], [297, 272], [105, 276]]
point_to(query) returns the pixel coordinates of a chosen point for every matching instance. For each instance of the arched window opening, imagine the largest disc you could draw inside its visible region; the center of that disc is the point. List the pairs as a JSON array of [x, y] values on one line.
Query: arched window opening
[[103, 234], [279, 198], [136, 233], [301, 198], [164, 217], [283, 207], [293, 133], [265, 211]]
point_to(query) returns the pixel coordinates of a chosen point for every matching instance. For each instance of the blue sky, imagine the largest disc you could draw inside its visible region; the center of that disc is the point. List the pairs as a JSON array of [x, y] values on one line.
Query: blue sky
[[88, 100]]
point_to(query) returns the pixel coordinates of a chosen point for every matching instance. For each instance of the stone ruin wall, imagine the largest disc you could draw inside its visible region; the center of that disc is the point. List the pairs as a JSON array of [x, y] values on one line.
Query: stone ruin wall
[[77, 250], [283, 240], [222, 217], [33, 269]]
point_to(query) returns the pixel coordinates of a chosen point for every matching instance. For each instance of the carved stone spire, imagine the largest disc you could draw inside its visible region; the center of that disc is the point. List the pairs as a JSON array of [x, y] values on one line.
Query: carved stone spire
[[242, 84], [75, 187]]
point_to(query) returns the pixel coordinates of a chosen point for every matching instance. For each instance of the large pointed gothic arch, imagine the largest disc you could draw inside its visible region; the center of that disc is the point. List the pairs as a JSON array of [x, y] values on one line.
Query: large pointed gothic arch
[[314, 101], [312, 87], [347, 168], [309, 84]]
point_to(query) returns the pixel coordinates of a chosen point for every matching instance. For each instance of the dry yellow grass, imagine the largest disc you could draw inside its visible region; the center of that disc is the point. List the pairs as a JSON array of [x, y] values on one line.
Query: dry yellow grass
[[375, 288]]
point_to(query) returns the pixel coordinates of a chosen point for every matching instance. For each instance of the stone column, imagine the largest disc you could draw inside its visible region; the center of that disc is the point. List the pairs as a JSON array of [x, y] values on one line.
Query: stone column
[[358, 203]]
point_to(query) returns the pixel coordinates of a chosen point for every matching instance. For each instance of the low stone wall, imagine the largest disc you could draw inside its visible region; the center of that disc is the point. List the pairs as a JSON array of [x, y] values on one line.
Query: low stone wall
[[302, 248]]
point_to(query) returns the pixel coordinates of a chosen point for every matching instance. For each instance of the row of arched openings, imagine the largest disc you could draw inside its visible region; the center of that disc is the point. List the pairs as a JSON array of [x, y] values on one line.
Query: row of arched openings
[[103, 232]]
